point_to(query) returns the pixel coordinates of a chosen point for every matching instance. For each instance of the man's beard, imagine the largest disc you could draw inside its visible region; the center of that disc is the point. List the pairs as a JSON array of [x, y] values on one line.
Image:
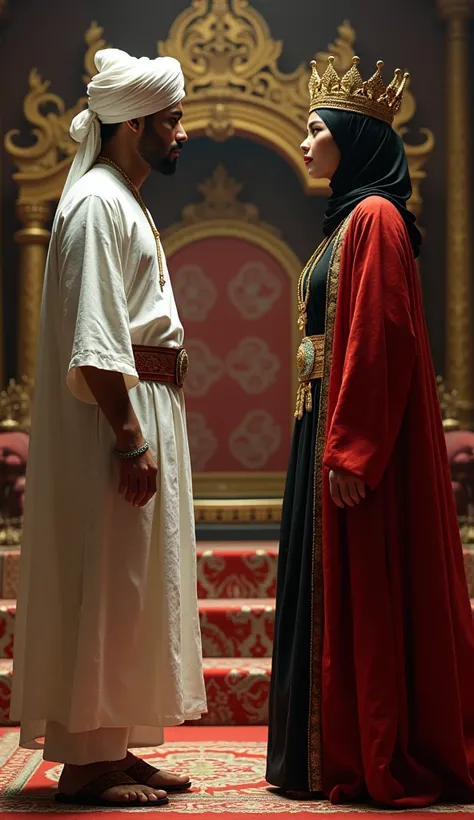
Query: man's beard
[[149, 148], [167, 166]]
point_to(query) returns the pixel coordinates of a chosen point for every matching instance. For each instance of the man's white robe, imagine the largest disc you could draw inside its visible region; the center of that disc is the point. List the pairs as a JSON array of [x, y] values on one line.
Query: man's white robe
[[107, 634]]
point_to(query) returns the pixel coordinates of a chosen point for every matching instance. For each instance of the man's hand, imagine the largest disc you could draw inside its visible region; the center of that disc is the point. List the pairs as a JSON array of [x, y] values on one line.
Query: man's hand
[[345, 489], [137, 478]]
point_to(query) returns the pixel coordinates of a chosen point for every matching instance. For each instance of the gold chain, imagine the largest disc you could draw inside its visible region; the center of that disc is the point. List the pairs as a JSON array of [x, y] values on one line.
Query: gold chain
[[305, 279], [136, 193]]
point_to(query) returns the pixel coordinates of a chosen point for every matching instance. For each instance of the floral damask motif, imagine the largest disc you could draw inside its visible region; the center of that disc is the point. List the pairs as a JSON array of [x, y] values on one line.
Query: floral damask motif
[[202, 441], [253, 365], [237, 574], [250, 692], [238, 631], [204, 368], [255, 439], [195, 293], [254, 290]]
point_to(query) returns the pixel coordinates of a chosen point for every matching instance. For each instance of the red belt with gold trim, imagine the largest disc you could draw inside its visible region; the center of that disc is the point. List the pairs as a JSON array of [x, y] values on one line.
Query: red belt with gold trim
[[168, 365]]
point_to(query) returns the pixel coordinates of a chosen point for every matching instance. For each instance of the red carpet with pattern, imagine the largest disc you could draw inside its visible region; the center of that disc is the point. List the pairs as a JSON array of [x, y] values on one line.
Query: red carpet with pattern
[[227, 766]]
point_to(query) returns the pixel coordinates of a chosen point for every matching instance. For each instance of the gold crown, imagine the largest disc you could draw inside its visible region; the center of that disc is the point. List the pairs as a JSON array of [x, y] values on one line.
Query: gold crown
[[351, 93]]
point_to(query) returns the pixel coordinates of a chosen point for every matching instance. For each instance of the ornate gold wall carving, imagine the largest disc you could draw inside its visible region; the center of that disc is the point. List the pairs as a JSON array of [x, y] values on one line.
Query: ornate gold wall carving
[[235, 87], [221, 213], [42, 168], [15, 406]]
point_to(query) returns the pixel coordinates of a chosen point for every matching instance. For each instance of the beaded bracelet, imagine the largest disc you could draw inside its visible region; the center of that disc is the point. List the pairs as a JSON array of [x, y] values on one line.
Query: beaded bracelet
[[132, 453]]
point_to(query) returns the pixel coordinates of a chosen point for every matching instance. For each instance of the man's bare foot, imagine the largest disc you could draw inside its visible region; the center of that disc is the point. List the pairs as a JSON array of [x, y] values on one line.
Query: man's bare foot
[[75, 778], [156, 778]]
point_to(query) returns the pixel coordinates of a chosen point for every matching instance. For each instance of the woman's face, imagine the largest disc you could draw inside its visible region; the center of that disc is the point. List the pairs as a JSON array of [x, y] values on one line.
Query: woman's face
[[321, 154]]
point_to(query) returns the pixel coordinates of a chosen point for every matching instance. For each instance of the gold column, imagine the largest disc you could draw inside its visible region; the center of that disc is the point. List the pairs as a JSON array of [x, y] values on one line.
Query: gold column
[[2, 329], [460, 330], [33, 239]]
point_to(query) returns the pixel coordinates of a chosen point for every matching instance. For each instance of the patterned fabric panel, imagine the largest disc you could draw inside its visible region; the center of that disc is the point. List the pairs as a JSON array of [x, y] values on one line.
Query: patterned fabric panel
[[234, 299]]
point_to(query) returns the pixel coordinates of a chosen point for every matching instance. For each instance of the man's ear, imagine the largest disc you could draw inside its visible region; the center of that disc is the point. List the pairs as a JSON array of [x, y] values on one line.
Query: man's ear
[[134, 125]]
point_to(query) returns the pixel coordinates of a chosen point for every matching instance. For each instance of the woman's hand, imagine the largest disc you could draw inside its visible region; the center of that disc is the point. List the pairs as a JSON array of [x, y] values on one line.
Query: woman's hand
[[346, 489]]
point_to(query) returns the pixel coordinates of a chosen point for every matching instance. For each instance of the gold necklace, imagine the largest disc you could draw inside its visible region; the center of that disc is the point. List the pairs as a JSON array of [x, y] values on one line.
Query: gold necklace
[[134, 190], [305, 279]]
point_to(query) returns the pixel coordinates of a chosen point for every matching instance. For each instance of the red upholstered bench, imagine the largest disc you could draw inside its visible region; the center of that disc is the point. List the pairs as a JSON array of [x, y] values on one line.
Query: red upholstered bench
[[13, 458]]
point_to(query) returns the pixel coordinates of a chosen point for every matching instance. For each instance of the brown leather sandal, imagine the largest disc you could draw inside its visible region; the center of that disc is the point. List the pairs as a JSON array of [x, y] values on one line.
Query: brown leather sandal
[[90, 794], [142, 772]]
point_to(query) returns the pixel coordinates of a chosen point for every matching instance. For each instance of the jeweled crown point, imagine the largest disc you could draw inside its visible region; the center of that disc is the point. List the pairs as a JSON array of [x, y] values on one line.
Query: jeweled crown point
[[351, 93]]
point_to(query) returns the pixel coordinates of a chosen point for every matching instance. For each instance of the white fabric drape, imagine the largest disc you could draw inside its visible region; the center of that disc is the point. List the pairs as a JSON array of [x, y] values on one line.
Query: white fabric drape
[[107, 639]]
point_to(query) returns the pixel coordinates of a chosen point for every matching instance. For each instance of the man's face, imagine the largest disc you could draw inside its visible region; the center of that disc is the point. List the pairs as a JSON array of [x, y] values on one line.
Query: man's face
[[162, 138]]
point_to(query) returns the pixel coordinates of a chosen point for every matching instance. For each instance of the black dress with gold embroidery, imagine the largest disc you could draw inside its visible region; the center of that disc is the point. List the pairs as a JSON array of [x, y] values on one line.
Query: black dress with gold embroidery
[[287, 763]]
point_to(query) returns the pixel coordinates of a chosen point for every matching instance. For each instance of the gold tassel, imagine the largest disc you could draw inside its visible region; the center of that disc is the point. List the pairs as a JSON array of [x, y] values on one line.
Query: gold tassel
[[299, 404], [304, 400], [302, 320]]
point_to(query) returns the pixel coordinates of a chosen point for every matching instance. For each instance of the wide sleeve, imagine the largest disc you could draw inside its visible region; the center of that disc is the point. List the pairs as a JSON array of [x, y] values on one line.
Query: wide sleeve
[[380, 346], [95, 330]]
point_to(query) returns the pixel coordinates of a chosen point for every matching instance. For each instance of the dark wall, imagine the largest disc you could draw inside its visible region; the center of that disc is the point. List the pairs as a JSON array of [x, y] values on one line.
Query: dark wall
[[50, 35]]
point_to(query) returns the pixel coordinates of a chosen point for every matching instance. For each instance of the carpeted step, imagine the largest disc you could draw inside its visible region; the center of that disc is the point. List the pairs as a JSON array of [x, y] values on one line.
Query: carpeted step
[[237, 691], [237, 628], [6, 669], [230, 628], [9, 572], [238, 571], [7, 628]]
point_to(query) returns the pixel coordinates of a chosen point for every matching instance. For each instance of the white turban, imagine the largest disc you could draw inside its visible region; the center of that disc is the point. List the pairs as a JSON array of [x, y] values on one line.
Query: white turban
[[124, 88]]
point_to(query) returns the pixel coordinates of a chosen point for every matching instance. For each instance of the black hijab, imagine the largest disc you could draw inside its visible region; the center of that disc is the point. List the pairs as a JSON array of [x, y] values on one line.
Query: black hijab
[[373, 163]]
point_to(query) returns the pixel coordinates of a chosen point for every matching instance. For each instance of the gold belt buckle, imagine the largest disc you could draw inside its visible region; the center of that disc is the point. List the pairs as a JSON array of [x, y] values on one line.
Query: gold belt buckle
[[310, 366], [182, 364], [310, 358]]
